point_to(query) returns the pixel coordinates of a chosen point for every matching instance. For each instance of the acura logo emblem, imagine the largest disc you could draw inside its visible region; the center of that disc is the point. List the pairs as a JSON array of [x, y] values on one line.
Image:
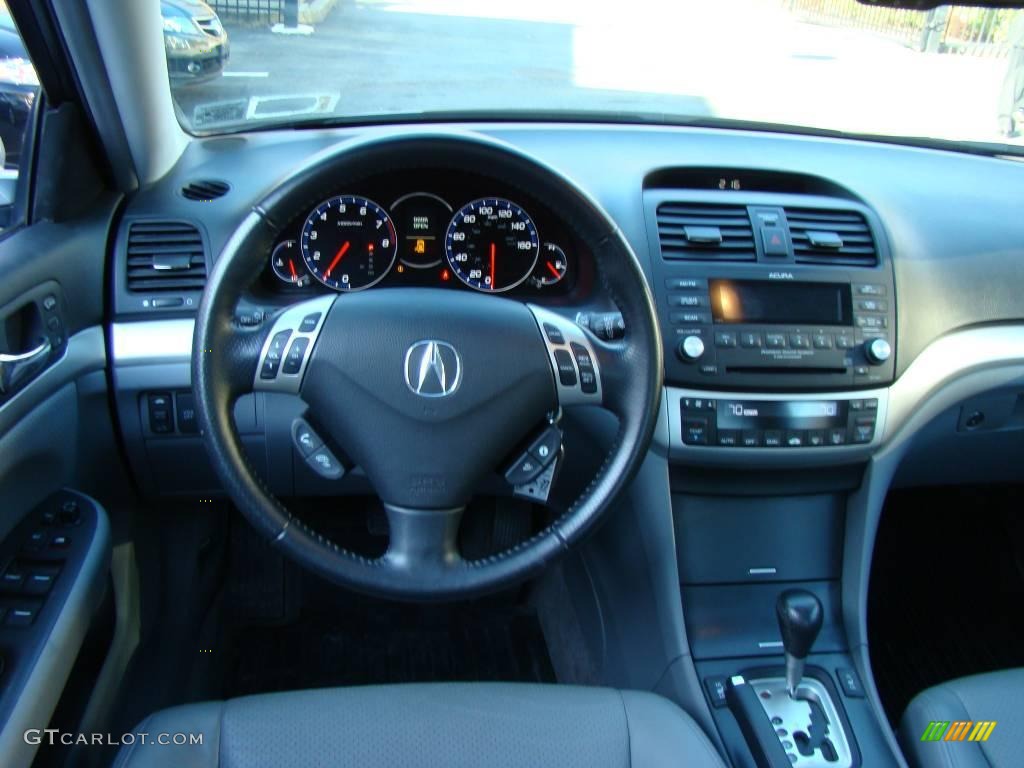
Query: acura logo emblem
[[432, 368]]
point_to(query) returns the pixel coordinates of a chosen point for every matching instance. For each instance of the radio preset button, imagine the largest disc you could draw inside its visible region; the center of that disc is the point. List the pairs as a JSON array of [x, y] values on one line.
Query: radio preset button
[[872, 305], [872, 321], [751, 340], [822, 341], [775, 341], [686, 318], [845, 342], [725, 339], [799, 341], [686, 283], [687, 300], [870, 290], [691, 348]]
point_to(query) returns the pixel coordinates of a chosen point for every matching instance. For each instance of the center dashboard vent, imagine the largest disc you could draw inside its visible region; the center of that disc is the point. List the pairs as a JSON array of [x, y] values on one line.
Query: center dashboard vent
[[165, 256], [705, 232], [831, 237]]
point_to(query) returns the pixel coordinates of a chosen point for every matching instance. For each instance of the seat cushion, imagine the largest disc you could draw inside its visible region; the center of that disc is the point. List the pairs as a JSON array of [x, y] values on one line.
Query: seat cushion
[[997, 696], [449, 725]]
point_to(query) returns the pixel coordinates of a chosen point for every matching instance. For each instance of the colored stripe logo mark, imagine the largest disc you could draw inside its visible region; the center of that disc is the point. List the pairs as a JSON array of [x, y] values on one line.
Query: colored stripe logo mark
[[958, 730]]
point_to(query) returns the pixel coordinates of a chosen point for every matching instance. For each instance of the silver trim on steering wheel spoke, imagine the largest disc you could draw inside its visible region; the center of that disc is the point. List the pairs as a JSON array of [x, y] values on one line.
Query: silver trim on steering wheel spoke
[[569, 348], [289, 346]]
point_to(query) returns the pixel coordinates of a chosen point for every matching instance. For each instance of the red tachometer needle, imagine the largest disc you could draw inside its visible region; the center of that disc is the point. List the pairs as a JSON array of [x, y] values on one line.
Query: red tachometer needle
[[494, 249], [337, 257], [552, 269]]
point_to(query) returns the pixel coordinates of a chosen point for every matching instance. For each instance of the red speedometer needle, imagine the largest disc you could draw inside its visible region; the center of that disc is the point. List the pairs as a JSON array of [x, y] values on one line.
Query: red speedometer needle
[[494, 249], [552, 269], [337, 257]]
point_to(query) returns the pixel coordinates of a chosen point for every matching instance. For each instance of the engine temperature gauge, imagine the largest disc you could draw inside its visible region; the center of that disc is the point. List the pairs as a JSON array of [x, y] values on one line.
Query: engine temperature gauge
[[551, 266], [288, 266]]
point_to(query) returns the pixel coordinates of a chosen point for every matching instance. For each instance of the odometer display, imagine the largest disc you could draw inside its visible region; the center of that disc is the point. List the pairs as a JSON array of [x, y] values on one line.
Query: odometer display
[[492, 245], [349, 243]]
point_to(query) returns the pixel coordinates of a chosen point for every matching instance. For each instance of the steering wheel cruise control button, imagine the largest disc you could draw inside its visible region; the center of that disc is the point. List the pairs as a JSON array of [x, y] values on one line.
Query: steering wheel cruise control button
[[566, 368], [323, 462], [306, 440], [554, 335], [588, 378]]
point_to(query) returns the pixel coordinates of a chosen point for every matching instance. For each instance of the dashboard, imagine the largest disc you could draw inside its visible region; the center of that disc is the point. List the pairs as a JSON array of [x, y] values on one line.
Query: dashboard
[[428, 228], [828, 342]]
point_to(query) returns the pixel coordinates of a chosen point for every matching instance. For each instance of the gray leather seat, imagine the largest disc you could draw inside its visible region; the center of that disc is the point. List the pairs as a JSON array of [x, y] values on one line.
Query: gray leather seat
[[449, 725], [997, 696]]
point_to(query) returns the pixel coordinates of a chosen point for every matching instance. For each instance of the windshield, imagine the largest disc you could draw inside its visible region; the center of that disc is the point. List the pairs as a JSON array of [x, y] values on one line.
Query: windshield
[[951, 73]]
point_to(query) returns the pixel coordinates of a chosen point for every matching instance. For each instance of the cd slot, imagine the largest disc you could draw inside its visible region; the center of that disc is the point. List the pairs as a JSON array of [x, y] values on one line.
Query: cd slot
[[788, 371]]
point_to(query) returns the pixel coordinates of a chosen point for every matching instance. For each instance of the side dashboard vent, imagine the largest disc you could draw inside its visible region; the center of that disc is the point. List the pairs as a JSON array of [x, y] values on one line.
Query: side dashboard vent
[[204, 190], [704, 232], [841, 238], [165, 256]]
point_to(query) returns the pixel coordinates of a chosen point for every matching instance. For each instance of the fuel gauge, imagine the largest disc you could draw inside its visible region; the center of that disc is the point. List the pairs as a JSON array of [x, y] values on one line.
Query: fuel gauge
[[288, 266], [551, 266]]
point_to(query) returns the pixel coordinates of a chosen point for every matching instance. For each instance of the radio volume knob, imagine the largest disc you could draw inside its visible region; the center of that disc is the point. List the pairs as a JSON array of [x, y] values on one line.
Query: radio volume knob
[[877, 351], [691, 348]]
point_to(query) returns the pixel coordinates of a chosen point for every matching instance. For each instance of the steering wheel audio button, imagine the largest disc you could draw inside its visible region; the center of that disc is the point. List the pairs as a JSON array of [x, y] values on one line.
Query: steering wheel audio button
[[324, 464], [306, 440]]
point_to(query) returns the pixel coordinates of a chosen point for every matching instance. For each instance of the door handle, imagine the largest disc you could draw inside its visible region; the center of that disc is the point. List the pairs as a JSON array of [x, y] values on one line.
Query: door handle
[[15, 370]]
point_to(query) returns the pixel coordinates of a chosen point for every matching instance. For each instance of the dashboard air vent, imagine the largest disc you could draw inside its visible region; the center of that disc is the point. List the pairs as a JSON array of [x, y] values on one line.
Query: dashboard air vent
[[165, 256], [841, 238], [703, 232], [205, 190]]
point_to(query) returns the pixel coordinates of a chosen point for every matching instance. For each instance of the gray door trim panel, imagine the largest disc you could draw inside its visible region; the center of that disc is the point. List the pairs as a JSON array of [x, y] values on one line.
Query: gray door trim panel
[[49, 675], [85, 353]]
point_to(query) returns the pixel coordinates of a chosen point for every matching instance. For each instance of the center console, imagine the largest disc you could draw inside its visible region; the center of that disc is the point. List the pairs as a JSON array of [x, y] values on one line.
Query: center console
[[778, 318]]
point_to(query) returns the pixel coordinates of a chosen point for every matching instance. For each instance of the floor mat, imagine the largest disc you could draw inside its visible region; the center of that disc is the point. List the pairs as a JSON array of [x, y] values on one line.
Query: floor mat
[[947, 589], [389, 646]]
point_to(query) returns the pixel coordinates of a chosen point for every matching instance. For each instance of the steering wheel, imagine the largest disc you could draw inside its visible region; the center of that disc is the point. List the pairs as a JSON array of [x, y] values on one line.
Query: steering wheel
[[427, 390]]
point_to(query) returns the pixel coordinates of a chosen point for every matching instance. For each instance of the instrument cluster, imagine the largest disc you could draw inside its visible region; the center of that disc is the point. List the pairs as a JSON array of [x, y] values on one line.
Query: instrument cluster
[[404, 232]]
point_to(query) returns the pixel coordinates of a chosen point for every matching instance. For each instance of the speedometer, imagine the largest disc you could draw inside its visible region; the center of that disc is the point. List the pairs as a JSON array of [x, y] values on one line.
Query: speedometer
[[492, 244], [349, 243]]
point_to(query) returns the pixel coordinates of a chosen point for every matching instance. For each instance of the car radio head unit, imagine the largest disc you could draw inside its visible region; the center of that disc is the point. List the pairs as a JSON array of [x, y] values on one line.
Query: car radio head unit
[[805, 328]]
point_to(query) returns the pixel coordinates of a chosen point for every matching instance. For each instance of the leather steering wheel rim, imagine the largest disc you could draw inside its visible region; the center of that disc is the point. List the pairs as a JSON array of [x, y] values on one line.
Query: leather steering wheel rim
[[225, 356]]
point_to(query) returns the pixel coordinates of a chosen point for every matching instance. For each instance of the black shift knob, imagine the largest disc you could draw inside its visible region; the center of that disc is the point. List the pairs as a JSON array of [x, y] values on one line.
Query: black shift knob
[[800, 615]]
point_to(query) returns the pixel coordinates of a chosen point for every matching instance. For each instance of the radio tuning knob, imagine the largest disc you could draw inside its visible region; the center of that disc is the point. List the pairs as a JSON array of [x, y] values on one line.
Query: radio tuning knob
[[877, 351], [691, 348]]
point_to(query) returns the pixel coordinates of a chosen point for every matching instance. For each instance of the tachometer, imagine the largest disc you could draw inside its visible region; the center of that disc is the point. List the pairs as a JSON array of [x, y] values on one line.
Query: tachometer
[[349, 243], [492, 244]]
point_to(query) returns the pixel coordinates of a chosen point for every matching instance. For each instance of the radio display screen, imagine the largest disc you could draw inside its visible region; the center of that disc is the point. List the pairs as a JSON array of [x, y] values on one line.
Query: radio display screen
[[781, 414], [778, 303]]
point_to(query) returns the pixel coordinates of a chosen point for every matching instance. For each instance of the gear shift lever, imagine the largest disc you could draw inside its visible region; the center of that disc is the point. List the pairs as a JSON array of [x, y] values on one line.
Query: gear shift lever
[[800, 615]]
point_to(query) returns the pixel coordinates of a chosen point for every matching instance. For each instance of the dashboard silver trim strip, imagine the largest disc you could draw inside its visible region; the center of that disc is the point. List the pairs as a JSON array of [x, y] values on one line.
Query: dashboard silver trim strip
[[151, 342]]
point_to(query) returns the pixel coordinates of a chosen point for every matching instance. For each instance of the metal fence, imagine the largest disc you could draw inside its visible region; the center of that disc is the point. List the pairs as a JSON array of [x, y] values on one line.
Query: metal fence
[[249, 11], [970, 31]]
